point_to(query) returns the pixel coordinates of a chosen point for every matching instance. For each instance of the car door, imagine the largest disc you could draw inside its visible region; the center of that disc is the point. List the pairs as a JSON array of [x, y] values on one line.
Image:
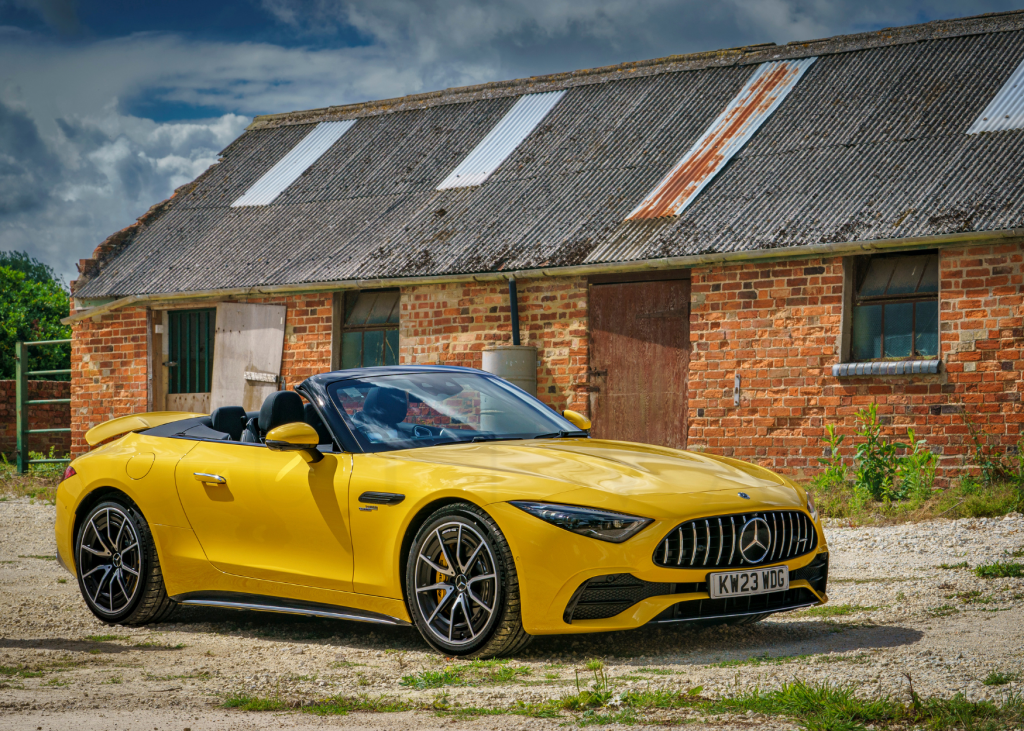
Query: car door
[[270, 515]]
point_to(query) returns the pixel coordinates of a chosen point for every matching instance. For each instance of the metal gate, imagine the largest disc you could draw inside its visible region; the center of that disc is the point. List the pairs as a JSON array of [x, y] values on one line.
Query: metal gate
[[639, 361], [22, 401]]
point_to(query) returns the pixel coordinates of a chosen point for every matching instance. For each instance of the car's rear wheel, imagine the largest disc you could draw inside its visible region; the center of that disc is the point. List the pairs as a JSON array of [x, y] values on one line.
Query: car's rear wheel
[[118, 569], [462, 587]]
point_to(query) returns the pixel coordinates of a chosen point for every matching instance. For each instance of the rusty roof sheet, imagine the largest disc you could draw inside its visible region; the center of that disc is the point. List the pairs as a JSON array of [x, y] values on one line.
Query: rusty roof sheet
[[871, 143], [741, 118]]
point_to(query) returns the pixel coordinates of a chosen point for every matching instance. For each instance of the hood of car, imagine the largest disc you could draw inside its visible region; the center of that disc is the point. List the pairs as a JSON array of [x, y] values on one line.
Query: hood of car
[[608, 471]]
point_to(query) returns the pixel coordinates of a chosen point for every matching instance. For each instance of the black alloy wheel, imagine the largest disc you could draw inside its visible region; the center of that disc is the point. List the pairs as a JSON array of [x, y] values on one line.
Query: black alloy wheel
[[117, 566], [461, 585]]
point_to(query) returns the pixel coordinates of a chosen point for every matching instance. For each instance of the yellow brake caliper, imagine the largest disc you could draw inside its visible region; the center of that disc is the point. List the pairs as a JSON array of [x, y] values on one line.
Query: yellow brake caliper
[[440, 578]]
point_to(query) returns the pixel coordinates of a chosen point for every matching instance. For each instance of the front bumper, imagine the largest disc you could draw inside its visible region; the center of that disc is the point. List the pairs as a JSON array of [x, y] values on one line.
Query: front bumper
[[574, 584]]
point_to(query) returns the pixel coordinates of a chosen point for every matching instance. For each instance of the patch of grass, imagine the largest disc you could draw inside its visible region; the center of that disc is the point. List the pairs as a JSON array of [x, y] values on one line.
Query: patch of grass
[[114, 680], [103, 638], [826, 706], [997, 678], [953, 566], [346, 664], [468, 713], [20, 671], [765, 659], [244, 702], [648, 699], [545, 709], [942, 611], [41, 558], [425, 679], [62, 581], [161, 645], [57, 682], [341, 705], [1016, 553], [834, 610], [655, 671], [1000, 570]]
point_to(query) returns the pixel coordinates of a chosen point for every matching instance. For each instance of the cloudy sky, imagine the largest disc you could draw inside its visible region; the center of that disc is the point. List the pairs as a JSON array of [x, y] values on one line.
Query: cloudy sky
[[106, 106]]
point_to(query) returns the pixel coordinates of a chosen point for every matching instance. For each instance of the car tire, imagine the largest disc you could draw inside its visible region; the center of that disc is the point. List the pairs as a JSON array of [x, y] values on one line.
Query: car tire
[[117, 565], [460, 611]]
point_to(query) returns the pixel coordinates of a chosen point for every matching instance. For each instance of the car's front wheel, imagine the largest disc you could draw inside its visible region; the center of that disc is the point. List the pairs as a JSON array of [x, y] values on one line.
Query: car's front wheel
[[462, 587], [117, 565]]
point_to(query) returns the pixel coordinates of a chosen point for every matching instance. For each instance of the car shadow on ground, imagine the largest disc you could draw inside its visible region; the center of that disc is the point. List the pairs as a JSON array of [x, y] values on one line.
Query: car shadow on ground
[[96, 648], [683, 643]]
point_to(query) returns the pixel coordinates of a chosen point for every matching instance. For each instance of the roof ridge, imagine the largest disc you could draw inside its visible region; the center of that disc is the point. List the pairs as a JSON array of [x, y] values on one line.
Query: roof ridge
[[737, 56]]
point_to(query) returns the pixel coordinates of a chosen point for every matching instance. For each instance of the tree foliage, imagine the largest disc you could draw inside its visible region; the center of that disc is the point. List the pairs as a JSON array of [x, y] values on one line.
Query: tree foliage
[[32, 302]]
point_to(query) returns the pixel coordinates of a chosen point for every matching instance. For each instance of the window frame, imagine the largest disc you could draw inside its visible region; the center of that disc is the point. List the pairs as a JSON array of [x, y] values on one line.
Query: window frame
[[340, 310], [854, 271]]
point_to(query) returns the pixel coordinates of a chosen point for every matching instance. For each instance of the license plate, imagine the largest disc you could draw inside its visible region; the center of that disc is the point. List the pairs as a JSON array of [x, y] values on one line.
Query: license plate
[[745, 583]]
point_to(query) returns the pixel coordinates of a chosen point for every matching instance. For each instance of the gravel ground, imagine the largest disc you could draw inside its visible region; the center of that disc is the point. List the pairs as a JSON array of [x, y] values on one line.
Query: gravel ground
[[946, 628]]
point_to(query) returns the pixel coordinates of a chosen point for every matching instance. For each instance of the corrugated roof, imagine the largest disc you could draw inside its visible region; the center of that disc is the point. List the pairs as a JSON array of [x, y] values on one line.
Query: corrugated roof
[[287, 170], [514, 127], [871, 144], [1006, 110], [741, 118]]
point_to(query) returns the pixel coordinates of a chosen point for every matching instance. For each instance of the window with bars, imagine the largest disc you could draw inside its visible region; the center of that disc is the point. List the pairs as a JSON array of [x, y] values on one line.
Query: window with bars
[[896, 307], [369, 332], [190, 350]]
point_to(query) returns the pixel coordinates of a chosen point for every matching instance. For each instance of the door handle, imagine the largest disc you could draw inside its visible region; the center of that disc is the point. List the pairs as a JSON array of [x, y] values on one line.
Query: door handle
[[207, 477]]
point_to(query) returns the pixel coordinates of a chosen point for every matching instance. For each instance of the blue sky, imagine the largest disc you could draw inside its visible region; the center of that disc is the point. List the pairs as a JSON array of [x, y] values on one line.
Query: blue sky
[[107, 106]]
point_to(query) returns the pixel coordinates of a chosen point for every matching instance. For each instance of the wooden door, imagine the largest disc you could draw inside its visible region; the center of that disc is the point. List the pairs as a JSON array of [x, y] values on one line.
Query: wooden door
[[247, 354], [639, 355]]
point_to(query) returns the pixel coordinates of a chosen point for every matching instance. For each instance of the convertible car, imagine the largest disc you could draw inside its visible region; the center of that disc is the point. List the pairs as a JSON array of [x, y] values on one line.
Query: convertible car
[[440, 497]]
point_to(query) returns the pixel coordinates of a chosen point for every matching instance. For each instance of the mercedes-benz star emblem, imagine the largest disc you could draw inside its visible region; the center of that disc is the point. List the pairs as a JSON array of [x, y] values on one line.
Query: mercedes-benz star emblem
[[755, 540]]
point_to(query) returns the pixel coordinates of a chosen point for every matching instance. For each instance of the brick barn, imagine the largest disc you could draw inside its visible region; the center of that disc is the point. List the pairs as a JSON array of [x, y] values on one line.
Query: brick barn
[[724, 250]]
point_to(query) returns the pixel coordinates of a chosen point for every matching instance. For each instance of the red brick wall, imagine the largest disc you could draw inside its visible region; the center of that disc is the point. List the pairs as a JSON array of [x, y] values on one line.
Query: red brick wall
[[40, 416], [108, 371], [778, 326], [452, 323]]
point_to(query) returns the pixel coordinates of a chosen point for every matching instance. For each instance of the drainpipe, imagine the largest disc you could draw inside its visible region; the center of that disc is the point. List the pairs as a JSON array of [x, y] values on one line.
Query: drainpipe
[[513, 300]]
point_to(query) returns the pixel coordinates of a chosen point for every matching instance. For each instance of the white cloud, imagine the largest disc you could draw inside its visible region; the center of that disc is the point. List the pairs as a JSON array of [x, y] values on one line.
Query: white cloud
[[76, 165]]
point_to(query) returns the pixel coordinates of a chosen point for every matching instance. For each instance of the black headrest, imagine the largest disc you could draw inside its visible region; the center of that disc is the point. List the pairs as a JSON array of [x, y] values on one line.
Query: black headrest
[[229, 419], [314, 420], [385, 405], [280, 407]]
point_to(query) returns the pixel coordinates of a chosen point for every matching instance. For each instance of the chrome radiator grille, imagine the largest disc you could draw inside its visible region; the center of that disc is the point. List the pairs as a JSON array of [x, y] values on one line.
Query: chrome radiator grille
[[715, 542]]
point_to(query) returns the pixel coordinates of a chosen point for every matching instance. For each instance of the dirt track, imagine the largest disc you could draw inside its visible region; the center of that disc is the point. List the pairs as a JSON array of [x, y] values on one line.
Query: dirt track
[[945, 627]]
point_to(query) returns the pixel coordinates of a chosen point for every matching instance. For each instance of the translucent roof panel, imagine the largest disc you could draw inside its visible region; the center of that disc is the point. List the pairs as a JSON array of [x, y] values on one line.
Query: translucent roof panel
[[514, 127], [1006, 110], [295, 163]]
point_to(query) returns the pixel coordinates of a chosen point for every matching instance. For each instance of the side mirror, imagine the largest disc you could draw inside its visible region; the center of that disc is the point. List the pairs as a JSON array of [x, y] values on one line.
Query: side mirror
[[578, 420], [295, 437]]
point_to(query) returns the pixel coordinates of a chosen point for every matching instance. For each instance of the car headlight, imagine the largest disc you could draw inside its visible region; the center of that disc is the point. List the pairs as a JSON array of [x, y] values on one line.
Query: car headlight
[[810, 506], [600, 524]]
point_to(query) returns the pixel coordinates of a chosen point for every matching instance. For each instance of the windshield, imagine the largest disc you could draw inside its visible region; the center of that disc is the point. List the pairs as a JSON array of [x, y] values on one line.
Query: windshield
[[423, 409]]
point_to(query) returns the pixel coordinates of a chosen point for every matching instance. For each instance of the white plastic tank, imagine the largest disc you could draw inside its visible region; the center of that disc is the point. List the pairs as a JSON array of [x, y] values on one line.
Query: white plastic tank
[[515, 363]]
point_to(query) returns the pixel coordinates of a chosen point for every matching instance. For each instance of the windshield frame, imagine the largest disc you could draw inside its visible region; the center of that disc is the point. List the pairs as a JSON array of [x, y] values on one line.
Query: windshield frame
[[560, 426]]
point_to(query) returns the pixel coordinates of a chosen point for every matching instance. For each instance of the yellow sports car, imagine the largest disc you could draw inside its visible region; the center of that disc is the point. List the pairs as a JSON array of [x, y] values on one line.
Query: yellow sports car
[[441, 497]]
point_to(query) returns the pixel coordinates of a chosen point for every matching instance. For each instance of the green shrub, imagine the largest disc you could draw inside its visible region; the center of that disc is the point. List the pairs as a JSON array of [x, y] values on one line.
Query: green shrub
[[876, 458]]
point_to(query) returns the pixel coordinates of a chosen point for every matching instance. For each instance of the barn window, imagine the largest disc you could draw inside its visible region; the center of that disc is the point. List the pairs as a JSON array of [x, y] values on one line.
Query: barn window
[[190, 350], [369, 331], [896, 307]]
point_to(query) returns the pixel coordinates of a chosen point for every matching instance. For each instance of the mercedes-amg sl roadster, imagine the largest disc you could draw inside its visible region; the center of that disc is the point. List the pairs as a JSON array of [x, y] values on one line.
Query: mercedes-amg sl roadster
[[440, 497]]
